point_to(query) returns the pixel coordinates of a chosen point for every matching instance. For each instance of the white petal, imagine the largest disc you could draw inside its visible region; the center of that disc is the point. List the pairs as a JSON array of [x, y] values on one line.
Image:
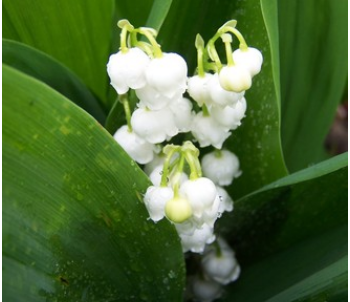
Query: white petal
[[155, 200], [220, 96], [221, 169], [251, 59], [198, 89], [183, 114], [167, 74], [208, 132], [138, 149]]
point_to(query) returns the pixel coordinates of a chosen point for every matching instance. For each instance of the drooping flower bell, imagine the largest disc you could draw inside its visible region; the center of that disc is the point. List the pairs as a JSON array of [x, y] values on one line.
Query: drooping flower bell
[[139, 149], [249, 58], [127, 69], [221, 167], [154, 126], [167, 74]]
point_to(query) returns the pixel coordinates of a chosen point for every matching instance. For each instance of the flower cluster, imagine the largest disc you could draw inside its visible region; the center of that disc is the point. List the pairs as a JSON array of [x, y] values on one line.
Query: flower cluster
[[186, 190], [192, 202]]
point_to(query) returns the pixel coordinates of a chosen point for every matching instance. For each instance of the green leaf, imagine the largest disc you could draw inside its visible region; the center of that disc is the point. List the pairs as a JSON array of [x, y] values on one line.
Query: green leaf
[[257, 141], [313, 270], [46, 69], [77, 33], [313, 43], [293, 208], [74, 227], [158, 13]]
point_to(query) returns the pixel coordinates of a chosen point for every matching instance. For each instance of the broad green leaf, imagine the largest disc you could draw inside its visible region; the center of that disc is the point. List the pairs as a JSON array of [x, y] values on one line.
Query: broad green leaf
[[74, 227], [298, 206], [158, 13], [313, 270], [313, 43], [46, 69], [257, 141], [77, 33]]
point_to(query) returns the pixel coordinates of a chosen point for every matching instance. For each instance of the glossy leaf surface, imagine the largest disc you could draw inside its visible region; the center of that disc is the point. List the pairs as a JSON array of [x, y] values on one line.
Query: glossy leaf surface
[[313, 270], [46, 69], [303, 204], [76, 33], [313, 44], [74, 227]]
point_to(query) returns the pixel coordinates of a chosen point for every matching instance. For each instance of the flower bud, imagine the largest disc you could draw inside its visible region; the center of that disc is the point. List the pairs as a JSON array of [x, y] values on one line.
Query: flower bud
[[235, 78], [178, 210]]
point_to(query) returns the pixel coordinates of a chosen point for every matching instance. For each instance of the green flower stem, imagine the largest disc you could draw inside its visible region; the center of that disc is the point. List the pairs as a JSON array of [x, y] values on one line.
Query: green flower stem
[[217, 153], [201, 72], [146, 47], [205, 110], [190, 159], [242, 43], [156, 47], [177, 176], [227, 39], [123, 98], [213, 53], [217, 248], [198, 166], [123, 40], [166, 165]]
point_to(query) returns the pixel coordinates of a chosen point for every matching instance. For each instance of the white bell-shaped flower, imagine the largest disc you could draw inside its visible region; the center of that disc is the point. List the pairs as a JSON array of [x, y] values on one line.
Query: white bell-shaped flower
[[155, 200], [167, 74], [156, 175], [187, 227], [154, 126], [183, 114], [197, 241], [226, 202], [251, 59], [127, 70], [210, 214], [208, 132], [151, 98], [201, 194], [235, 78], [221, 267], [138, 149], [198, 89], [158, 160], [221, 167], [230, 117], [205, 290], [220, 96]]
